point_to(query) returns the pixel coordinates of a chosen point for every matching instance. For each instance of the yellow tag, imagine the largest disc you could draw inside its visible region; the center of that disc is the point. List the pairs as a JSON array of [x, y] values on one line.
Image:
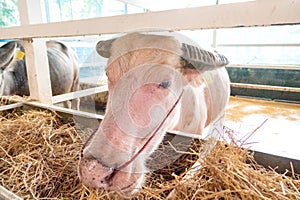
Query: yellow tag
[[209, 77], [20, 55]]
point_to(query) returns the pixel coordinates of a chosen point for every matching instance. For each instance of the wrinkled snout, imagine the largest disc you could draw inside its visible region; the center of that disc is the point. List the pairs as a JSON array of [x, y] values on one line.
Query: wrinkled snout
[[93, 174]]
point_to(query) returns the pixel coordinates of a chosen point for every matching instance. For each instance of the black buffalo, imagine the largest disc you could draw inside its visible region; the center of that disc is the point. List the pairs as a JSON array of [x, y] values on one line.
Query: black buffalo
[[63, 67]]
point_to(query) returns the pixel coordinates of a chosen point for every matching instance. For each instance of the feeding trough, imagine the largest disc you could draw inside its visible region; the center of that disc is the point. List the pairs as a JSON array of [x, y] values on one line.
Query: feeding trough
[[40, 152]]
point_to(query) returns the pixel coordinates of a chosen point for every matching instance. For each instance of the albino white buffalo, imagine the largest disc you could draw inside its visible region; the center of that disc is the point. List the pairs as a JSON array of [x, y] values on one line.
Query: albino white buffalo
[[156, 83], [63, 67]]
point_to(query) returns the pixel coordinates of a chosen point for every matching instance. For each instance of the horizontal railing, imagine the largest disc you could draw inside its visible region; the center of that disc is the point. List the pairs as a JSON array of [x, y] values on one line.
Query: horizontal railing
[[245, 14]]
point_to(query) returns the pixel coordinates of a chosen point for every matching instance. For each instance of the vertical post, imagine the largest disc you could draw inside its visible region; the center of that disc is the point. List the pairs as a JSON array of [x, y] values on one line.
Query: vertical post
[[214, 44], [31, 12], [38, 70]]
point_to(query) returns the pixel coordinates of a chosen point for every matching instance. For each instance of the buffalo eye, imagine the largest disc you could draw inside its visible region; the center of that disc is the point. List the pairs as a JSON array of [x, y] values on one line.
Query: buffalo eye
[[165, 84]]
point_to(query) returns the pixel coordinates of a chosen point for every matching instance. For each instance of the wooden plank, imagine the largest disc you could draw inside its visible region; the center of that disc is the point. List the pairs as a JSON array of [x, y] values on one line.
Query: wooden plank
[[78, 94], [265, 87], [5, 194], [243, 14]]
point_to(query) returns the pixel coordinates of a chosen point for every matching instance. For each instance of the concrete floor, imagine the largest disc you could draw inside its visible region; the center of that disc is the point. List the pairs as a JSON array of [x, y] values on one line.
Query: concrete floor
[[279, 135]]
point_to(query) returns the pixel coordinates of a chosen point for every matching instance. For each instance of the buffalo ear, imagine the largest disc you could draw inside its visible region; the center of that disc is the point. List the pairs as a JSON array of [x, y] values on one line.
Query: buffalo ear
[[103, 47], [7, 53], [201, 60]]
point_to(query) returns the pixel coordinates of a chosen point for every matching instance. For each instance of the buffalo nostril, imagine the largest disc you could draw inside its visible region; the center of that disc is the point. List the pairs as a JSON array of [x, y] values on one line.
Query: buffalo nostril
[[108, 178], [104, 182]]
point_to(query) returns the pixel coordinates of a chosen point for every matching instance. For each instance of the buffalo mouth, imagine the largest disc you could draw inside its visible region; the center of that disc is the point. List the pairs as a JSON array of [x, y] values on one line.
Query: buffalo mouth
[[92, 173]]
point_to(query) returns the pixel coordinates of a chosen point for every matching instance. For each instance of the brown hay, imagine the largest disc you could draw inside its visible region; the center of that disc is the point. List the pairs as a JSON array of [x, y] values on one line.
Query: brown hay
[[39, 155], [230, 172]]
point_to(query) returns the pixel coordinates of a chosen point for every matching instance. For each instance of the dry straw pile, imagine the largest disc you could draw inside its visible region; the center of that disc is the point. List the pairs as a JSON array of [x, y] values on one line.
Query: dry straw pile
[[40, 150]]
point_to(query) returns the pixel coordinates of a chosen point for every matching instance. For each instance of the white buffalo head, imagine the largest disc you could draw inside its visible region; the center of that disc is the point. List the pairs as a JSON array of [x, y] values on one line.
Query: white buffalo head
[[155, 83]]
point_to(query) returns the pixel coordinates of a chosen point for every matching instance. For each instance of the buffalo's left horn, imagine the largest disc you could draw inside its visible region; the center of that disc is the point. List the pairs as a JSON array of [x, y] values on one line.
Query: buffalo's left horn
[[198, 58]]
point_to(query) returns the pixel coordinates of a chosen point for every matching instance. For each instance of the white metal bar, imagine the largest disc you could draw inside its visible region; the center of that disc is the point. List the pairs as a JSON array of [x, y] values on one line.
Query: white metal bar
[[78, 94], [285, 67], [254, 13], [38, 70], [23, 12], [90, 91], [265, 87], [92, 64], [260, 45], [184, 134], [5, 194], [31, 12], [65, 110], [101, 117], [11, 106]]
